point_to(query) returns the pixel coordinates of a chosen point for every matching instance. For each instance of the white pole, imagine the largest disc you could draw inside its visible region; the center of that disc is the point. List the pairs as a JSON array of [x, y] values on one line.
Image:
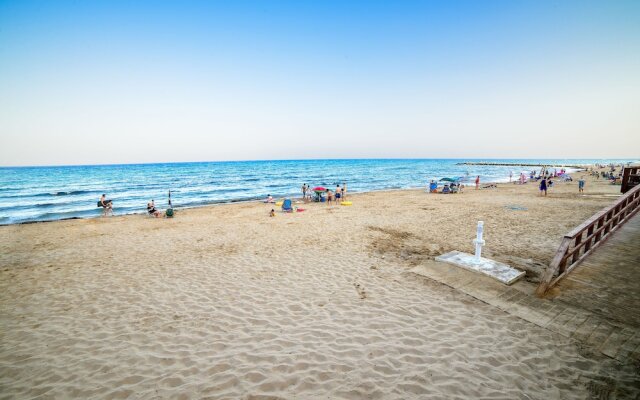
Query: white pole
[[478, 241]]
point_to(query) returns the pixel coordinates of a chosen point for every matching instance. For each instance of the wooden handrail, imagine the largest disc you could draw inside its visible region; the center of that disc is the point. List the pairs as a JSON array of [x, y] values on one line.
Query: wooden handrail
[[597, 216], [586, 241], [630, 178], [598, 228]]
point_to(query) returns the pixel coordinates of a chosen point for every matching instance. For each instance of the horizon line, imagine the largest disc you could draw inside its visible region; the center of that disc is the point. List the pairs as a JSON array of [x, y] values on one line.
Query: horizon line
[[637, 159]]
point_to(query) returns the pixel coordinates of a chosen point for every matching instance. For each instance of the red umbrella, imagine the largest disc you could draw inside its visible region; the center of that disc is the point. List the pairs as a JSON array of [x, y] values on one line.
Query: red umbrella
[[319, 189]]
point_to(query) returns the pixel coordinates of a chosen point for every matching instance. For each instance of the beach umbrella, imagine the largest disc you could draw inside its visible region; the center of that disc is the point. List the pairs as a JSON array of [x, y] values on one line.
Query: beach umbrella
[[319, 191], [449, 179]]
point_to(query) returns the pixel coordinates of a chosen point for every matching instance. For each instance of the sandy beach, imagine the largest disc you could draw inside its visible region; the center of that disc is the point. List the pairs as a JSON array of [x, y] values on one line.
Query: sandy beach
[[226, 302]]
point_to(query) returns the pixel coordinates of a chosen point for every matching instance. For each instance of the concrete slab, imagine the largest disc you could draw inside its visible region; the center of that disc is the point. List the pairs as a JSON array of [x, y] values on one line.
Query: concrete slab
[[614, 342], [497, 270]]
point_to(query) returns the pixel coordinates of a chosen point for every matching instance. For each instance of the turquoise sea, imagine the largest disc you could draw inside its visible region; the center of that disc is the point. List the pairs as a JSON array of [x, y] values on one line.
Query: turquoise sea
[[30, 194]]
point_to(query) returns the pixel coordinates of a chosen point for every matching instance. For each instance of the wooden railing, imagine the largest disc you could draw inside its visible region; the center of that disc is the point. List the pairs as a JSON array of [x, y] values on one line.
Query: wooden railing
[[580, 242], [630, 178]]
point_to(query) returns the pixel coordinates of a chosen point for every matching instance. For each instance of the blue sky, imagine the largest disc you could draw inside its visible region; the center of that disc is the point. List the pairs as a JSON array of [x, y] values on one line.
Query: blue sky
[[118, 82]]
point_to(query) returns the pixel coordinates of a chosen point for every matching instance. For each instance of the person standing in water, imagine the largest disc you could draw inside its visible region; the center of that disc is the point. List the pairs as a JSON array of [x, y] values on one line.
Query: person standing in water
[[304, 190], [107, 205], [343, 191]]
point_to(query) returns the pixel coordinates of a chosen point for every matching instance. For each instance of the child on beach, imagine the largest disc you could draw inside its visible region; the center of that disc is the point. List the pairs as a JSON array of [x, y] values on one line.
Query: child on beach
[[581, 185], [329, 196], [272, 213], [543, 186], [478, 182], [343, 191]]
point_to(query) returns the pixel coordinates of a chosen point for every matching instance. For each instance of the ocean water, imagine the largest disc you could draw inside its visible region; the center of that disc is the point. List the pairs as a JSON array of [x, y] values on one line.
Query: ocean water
[[30, 194]]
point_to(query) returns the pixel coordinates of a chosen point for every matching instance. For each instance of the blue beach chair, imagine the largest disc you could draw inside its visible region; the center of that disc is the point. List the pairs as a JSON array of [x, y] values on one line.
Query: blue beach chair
[[286, 206]]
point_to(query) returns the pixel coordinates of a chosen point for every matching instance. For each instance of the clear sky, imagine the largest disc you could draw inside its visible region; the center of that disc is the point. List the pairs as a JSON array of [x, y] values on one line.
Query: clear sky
[[88, 82]]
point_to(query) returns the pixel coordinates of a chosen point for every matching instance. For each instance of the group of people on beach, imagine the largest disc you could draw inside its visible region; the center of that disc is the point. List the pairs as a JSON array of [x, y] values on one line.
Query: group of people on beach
[[107, 207], [332, 196], [545, 178], [614, 173], [453, 187], [318, 194]]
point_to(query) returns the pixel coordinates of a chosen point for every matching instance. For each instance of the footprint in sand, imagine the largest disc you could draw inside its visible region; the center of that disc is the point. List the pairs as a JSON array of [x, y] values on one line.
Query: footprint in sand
[[360, 289]]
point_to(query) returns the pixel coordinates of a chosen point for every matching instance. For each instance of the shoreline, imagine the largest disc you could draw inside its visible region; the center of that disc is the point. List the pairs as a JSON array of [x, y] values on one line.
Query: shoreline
[[203, 206], [65, 194], [468, 186]]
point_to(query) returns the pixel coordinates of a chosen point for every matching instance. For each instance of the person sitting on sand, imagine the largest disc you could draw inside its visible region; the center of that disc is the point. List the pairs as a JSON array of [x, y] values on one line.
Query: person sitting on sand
[[272, 213], [445, 189], [433, 186], [151, 209], [269, 199], [107, 205]]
